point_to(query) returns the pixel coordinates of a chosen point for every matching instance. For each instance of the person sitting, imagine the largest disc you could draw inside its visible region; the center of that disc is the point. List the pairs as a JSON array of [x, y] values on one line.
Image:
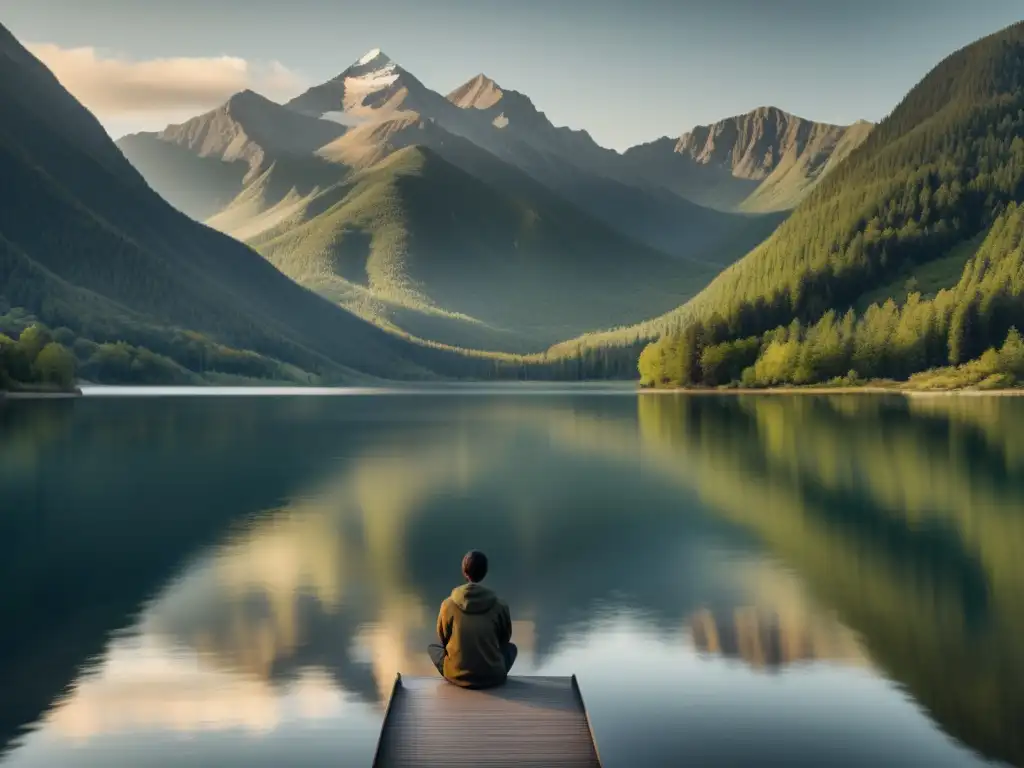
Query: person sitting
[[475, 629]]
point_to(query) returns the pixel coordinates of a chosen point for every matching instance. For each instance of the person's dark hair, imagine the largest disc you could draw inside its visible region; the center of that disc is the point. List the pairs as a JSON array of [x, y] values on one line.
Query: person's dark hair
[[474, 565]]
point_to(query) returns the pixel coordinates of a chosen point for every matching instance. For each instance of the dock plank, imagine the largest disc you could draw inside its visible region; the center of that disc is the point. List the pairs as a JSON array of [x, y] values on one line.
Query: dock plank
[[528, 721]]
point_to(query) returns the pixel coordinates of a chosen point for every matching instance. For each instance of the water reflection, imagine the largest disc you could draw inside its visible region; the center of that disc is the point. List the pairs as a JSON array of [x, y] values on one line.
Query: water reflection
[[146, 684], [905, 516], [771, 640], [246, 573]]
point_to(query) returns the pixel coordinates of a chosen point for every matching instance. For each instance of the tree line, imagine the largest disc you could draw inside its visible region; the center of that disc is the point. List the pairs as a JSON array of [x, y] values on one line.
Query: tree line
[[976, 320], [33, 355]]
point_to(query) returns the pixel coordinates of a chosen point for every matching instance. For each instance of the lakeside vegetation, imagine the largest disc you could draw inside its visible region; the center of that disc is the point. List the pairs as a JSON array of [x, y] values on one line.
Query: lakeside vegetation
[[36, 360], [36, 357]]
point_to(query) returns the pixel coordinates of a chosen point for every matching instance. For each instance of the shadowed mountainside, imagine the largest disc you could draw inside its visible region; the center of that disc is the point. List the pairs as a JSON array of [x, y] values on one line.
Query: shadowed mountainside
[[86, 244]]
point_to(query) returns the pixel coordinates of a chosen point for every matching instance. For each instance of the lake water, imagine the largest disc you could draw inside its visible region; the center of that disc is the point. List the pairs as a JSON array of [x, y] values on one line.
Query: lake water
[[234, 581]]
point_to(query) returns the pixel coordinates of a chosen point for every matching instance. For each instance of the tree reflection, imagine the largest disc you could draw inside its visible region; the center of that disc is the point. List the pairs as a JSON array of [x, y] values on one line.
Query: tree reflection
[[903, 516]]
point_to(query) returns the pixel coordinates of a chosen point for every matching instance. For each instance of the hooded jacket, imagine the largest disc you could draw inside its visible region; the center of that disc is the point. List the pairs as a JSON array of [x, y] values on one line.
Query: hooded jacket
[[473, 625]]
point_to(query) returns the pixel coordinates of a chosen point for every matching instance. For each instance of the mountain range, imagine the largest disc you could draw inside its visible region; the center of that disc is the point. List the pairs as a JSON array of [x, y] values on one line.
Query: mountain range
[[497, 261], [469, 219], [372, 227], [764, 160]]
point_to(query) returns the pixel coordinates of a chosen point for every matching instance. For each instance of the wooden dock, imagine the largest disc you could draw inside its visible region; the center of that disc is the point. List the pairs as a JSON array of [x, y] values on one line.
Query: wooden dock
[[528, 721]]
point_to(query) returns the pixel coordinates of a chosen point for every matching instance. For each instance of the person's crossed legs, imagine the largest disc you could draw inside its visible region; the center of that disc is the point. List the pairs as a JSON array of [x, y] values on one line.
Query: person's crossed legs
[[437, 654]]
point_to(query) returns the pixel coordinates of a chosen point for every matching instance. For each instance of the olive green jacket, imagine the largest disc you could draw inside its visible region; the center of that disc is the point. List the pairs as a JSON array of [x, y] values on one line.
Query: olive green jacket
[[473, 626]]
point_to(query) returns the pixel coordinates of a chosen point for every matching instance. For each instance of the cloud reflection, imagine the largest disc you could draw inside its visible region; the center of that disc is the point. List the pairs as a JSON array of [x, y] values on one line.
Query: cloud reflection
[[144, 684]]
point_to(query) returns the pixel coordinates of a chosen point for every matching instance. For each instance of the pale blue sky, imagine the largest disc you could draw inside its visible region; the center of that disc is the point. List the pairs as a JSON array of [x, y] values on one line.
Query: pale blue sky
[[626, 71]]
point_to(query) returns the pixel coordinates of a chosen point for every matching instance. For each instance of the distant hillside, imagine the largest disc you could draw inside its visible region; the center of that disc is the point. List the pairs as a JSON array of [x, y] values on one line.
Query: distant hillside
[[480, 266], [651, 216], [318, 191], [196, 186], [946, 166], [514, 114], [247, 127], [764, 160], [593, 178], [800, 170], [201, 165], [84, 243]]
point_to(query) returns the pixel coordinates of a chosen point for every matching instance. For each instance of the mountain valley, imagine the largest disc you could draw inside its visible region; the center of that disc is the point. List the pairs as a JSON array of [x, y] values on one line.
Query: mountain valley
[[313, 187]]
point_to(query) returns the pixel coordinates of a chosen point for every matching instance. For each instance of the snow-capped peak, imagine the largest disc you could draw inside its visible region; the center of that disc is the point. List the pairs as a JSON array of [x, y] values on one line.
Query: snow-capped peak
[[372, 73], [373, 82], [366, 85], [374, 70], [369, 56]]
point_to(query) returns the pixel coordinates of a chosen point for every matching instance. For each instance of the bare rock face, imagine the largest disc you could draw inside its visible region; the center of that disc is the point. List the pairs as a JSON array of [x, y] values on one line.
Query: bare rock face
[[479, 93], [764, 160], [247, 127], [754, 145]]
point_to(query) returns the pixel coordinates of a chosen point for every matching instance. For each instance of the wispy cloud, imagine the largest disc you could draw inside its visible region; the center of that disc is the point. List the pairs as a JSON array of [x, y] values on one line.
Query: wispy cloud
[[114, 87]]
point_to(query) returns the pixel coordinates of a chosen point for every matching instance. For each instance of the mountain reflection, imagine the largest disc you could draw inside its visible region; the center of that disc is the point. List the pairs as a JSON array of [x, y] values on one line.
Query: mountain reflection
[[290, 557], [769, 640], [348, 578]]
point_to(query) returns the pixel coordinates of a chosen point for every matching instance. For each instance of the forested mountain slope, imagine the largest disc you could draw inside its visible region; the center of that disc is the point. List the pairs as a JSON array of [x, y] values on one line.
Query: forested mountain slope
[[934, 173], [938, 172]]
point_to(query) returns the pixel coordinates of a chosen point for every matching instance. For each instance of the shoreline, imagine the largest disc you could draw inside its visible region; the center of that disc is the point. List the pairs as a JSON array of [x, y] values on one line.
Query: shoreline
[[27, 394], [866, 390], [583, 385]]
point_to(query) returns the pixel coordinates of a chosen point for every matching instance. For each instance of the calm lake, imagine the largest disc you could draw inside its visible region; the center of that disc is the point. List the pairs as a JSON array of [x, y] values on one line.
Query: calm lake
[[234, 581]]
